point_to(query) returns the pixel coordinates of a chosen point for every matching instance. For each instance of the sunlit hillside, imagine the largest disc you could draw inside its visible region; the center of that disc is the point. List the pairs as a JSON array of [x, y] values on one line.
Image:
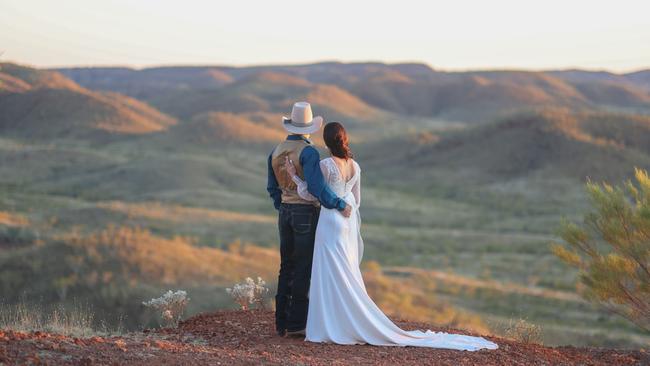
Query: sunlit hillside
[[43, 105]]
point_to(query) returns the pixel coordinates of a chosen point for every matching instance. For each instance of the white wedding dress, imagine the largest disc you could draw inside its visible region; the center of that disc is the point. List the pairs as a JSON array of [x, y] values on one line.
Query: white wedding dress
[[340, 310]]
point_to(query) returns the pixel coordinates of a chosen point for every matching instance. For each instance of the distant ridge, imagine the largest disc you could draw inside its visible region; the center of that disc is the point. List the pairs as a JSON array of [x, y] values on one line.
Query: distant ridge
[[411, 88], [558, 143]]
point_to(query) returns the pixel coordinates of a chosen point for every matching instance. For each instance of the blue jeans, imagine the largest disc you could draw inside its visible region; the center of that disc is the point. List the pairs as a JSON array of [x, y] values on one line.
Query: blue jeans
[[297, 226]]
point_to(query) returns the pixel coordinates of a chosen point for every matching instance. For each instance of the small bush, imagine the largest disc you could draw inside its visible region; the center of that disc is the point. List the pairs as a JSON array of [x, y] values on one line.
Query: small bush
[[171, 306], [522, 331], [249, 293]]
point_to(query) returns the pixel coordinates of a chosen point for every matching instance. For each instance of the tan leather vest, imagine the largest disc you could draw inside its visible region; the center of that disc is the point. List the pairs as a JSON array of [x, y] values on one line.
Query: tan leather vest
[[293, 149]]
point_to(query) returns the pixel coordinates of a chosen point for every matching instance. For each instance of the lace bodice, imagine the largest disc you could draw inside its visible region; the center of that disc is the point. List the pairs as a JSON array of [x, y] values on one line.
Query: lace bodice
[[334, 180], [333, 177]]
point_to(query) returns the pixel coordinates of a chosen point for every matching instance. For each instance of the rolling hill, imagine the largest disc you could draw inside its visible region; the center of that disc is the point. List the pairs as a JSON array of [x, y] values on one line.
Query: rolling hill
[[11, 84], [266, 92], [43, 104], [45, 113], [477, 98], [36, 78], [555, 143]]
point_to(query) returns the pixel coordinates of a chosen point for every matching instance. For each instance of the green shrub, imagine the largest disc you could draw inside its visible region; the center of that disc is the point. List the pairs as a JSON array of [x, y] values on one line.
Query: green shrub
[[612, 248]]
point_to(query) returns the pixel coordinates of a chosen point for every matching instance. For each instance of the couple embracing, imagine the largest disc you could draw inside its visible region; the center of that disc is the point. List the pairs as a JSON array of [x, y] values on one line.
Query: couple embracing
[[321, 294]]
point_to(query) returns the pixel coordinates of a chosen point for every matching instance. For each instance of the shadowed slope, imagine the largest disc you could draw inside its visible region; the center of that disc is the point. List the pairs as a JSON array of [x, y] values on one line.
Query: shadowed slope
[[557, 143], [615, 94], [640, 78]]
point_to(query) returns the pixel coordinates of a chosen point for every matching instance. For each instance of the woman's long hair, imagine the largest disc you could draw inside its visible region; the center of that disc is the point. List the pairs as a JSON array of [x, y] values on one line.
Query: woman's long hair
[[336, 139]]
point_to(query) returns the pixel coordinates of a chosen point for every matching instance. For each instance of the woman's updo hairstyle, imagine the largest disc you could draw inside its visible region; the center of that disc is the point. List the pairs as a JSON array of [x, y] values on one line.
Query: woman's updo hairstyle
[[336, 139]]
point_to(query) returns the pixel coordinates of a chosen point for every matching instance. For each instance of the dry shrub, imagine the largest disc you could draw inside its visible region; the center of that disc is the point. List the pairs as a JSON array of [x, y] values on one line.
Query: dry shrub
[[522, 331]]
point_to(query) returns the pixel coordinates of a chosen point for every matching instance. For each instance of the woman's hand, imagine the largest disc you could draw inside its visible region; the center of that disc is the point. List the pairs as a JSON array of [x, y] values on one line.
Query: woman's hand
[[289, 167], [347, 211]]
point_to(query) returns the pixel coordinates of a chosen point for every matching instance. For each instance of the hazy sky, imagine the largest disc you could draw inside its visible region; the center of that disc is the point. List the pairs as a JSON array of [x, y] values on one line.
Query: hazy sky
[[454, 34]]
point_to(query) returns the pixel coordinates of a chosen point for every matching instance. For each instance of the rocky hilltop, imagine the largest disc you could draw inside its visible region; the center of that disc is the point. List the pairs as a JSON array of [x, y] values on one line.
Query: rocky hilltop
[[247, 338]]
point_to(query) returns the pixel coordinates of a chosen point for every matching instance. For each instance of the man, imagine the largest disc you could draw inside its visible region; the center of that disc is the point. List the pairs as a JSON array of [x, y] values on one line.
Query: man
[[297, 217]]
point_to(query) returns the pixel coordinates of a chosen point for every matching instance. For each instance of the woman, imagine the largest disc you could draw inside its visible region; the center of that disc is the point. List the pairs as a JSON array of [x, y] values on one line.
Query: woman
[[340, 310]]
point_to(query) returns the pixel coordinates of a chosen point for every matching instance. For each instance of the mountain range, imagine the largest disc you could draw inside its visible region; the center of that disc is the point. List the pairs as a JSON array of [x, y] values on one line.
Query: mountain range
[[412, 89]]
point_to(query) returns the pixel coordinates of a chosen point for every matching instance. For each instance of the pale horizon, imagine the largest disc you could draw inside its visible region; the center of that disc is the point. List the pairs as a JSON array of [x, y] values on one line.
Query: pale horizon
[[459, 36], [313, 62]]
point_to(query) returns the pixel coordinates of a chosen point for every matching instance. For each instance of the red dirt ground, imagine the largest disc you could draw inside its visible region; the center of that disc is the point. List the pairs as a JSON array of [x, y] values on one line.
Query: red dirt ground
[[248, 338]]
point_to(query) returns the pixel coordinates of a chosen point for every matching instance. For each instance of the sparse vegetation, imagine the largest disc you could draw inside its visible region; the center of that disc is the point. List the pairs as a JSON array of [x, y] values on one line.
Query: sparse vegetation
[[75, 320], [110, 268]]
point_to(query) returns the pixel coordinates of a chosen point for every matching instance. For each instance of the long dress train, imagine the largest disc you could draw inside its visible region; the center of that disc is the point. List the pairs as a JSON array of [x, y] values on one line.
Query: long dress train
[[340, 310]]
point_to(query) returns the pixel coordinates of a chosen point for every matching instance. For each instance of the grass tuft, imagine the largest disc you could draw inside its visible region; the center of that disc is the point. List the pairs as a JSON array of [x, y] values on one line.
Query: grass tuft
[[76, 321]]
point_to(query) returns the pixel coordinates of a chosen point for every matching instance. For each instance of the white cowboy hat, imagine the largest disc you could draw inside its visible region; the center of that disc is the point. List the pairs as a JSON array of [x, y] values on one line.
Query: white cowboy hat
[[302, 121]]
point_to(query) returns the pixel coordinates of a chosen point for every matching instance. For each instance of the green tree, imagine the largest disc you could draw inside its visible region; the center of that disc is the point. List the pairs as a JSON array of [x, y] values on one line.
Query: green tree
[[612, 248]]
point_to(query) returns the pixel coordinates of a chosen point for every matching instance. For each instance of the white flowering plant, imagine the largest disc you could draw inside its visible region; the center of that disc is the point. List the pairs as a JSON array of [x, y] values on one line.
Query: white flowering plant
[[249, 292], [171, 305]]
